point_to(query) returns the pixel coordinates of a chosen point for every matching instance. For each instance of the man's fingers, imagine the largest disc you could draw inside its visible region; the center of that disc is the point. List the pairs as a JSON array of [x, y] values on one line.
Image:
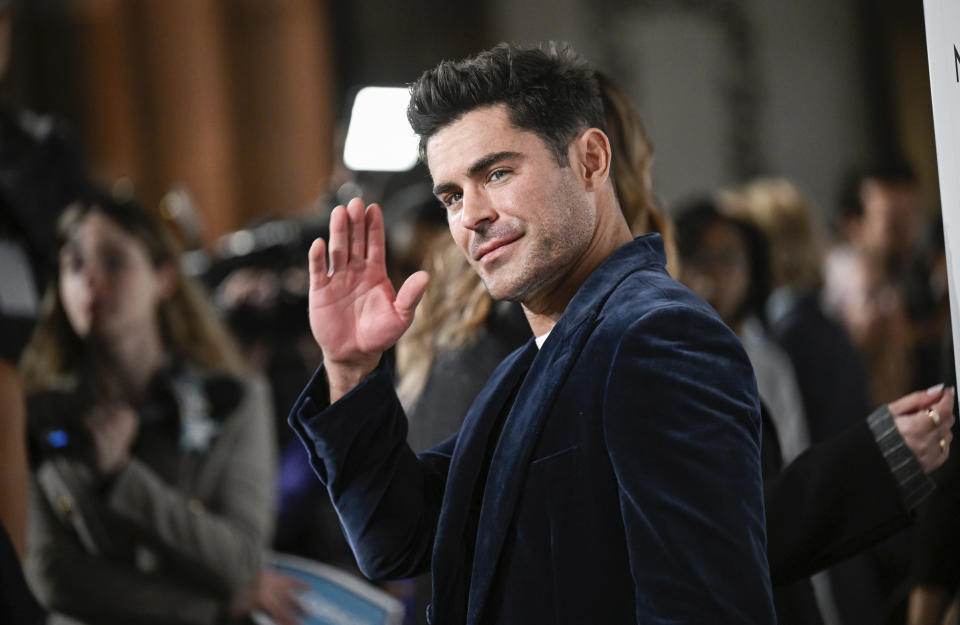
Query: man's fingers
[[339, 239], [317, 263], [916, 401], [376, 240], [358, 235], [410, 293]]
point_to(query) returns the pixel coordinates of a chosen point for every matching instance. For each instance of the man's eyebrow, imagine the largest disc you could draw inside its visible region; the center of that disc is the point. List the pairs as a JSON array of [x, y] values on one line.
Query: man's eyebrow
[[440, 189], [478, 166], [486, 161]]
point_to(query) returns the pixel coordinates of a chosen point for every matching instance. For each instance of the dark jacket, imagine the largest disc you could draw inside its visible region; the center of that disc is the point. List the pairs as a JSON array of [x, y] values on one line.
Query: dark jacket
[[625, 485]]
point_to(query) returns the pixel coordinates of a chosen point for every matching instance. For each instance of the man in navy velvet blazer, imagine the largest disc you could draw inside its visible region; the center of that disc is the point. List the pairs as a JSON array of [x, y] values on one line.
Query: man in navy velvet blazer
[[609, 472]]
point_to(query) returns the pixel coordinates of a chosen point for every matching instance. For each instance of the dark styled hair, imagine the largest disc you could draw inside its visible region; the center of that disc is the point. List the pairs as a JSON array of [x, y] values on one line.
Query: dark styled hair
[[549, 89], [896, 171], [692, 221]]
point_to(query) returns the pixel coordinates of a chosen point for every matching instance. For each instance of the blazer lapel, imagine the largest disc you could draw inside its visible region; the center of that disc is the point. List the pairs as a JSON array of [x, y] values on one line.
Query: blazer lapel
[[513, 453], [468, 454]]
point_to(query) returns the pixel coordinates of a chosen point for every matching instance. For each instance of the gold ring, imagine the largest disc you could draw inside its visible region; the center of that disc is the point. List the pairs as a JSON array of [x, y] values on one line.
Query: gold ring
[[934, 416], [943, 444]]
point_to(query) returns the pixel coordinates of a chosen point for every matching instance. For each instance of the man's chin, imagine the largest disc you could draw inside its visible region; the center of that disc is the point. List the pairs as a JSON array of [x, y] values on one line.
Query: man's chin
[[501, 291]]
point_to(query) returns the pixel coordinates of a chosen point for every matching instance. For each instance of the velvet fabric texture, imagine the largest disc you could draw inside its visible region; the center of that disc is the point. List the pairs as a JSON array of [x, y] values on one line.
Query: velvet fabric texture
[[625, 486]]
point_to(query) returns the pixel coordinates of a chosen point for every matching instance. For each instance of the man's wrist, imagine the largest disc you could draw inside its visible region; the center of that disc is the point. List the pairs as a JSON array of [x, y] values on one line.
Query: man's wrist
[[344, 377]]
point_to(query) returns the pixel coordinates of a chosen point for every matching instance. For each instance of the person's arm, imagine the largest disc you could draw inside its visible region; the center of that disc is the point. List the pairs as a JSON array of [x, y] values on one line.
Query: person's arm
[[387, 498], [67, 579], [835, 499], [682, 426], [854, 489], [226, 538]]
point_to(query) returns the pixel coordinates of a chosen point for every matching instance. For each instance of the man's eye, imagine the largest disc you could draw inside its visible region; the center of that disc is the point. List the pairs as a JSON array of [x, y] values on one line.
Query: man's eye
[[451, 199], [498, 174]]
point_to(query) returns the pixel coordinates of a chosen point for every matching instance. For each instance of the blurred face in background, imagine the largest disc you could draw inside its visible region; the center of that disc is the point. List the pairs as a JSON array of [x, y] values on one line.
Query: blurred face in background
[[108, 284], [719, 271], [891, 220], [869, 305]]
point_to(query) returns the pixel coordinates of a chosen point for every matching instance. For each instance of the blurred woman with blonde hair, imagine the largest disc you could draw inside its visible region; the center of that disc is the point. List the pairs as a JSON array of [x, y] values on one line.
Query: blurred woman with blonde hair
[[834, 389]]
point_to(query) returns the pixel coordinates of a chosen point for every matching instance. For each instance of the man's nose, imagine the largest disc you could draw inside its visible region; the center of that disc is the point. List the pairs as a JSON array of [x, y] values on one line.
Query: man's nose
[[477, 211]]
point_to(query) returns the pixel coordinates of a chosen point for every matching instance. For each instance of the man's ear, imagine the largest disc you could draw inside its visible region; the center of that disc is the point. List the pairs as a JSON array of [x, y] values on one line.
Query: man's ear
[[591, 156]]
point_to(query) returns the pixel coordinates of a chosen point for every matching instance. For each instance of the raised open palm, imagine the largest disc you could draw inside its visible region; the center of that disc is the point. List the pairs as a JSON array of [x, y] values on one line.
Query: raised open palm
[[355, 315]]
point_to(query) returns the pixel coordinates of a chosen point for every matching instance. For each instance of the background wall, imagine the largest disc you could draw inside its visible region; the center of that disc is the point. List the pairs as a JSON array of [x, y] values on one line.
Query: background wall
[[241, 102], [734, 88]]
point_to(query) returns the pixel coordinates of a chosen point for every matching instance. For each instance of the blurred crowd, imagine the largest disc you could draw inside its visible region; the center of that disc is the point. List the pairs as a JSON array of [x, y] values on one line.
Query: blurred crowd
[[148, 469]]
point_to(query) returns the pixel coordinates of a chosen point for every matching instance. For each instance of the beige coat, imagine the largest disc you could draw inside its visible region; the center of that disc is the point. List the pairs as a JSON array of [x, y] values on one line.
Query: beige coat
[[179, 530]]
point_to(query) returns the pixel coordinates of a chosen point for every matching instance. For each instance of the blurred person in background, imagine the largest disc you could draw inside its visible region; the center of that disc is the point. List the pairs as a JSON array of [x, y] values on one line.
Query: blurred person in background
[[859, 293], [725, 259], [879, 210], [834, 389], [880, 214], [152, 452]]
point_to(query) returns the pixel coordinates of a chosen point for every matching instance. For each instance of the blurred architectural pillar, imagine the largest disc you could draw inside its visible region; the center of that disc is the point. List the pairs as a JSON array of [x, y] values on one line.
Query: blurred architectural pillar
[[186, 101], [230, 99], [280, 65], [108, 103]]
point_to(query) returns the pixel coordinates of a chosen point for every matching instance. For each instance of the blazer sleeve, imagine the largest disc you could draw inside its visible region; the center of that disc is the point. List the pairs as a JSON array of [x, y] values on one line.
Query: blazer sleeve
[[834, 500], [67, 578], [388, 498], [682, 427], [224, 538]]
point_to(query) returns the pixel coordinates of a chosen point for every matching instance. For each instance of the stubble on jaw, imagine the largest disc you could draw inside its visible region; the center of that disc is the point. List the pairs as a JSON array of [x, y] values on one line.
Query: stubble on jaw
[[553, 255]]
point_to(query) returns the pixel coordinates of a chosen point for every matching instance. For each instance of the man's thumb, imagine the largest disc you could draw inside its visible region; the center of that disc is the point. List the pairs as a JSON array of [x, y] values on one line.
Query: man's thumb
[[410, 294]]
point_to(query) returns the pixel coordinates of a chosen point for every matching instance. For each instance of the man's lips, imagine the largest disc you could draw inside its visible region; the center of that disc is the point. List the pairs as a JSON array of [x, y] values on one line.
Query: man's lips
[[491, 246]]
